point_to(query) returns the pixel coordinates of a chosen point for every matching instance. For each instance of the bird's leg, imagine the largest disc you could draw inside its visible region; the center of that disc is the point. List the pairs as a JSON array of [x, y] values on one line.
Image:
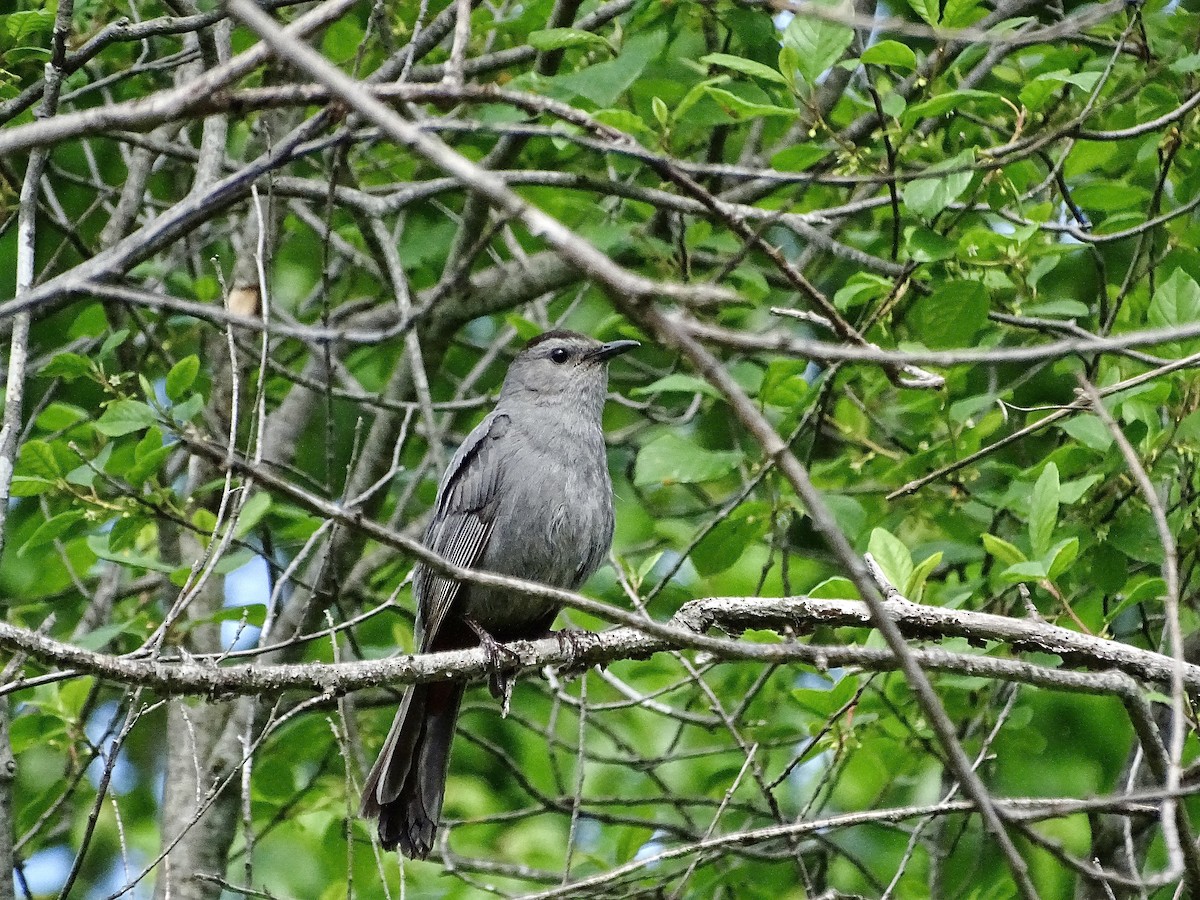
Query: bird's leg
[[574, 643], [501, 674]]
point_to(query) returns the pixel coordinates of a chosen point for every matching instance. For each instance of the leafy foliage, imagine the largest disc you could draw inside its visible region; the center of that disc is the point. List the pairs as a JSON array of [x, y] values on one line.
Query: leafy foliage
[[1005, 192]]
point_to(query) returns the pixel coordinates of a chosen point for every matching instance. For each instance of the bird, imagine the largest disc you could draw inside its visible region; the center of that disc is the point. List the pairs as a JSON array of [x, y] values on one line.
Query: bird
[[527, 494]]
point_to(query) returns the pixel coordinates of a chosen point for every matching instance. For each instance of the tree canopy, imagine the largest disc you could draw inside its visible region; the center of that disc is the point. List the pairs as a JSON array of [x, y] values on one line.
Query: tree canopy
[[902, 598]]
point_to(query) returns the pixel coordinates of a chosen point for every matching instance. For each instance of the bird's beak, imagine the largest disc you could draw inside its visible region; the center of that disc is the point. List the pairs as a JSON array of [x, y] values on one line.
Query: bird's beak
[[605, 352]]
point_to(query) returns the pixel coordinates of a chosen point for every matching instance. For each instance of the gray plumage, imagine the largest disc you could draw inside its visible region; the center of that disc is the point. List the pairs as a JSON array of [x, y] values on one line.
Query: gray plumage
[[527, 494]]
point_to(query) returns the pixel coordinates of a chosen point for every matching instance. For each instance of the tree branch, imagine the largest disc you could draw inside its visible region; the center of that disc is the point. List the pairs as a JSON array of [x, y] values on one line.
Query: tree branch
[[733, 614]]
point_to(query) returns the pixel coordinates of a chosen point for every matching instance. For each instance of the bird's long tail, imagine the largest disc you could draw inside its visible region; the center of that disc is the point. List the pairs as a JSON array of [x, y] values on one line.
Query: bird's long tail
[[407, 783]]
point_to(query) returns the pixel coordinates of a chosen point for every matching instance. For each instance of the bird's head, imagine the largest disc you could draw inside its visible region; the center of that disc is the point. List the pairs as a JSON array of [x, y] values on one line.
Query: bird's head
[[562, 368]]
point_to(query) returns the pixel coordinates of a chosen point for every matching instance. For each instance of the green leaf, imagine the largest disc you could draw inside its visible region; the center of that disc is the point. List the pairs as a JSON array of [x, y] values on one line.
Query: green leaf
[[342, 40], [59, 416], [798, 158], [891, 53], [1176, 302], [31, 729], [84, 473], [525, 329], [123, 417], [827, 701], [28, 486], [1111, 196], [1035, 94], [835, 588], [1034, 570], [954, 100], [740, 108], [54, 527], [604, 82], [948, 13], [893, 105], [27, 54], [624, 120], [38, 459], [228, 563], [564, 39], [784, 383], [926, 245], [1185, 65], [695, 94], [744, 66], [819, 702], [930, 195], [182, 376], [961, 13], [1089, 431], [252, 512], [1085, 80], [68, 367], [1071, 491], [929, 10], [112, 342], [789, 64], [1188, 430], [647, 566], [91, 322], [673, 460], [926, 197], [818, 43], [151, 441], [1063, 309], [1150, 590], [124, 533], [661, 113], [148, 464], [24, 26], [99, 638], [951, 316], [915, 587], [1059, 559], [74, 696], [186, 411], [1043, 510], [254, 614], [677, 383], [205, 519], [98, 544], [893, 557], [1003, 550], [729, 540], [860, 288]]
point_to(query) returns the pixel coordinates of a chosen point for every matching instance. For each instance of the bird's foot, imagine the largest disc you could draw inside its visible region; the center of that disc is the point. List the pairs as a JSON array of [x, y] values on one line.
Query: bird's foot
[[574, 643], [503, 664]]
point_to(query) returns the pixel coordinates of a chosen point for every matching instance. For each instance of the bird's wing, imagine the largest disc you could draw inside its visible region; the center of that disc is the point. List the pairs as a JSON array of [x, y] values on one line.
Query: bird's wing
[[462, 522]]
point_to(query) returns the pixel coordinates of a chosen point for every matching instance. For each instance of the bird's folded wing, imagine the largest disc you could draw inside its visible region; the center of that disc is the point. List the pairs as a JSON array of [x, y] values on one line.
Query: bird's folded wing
[[461, 524]]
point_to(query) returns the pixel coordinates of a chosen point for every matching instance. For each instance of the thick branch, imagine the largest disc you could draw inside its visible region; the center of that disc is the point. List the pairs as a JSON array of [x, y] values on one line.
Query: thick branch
[[729, 613]]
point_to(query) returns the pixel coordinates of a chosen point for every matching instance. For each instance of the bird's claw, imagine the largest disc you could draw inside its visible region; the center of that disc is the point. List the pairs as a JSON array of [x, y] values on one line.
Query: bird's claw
[[503, 664], [574, 643]]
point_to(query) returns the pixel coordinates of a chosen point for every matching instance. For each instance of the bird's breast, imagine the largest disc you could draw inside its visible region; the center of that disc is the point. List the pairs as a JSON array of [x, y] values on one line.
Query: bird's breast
[[554, 525]]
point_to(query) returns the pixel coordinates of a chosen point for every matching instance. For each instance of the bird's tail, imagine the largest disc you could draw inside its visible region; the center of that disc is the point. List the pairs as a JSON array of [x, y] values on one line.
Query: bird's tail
[[407, 783]]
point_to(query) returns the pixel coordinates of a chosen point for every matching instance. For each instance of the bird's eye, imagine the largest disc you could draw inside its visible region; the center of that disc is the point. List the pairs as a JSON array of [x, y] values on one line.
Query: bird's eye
[[560, 355]]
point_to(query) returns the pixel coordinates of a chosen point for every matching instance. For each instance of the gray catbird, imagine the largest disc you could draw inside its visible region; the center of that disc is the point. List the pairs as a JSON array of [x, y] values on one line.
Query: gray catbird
[[527, 494]]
